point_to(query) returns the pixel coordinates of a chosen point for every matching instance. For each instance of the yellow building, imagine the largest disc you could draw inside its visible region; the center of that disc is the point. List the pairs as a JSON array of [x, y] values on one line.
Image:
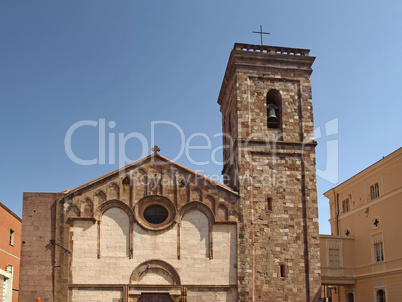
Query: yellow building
[[362, 259]]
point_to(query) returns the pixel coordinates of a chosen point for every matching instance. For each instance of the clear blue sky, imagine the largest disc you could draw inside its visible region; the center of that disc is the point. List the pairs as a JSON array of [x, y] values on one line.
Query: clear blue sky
[[134, 62]]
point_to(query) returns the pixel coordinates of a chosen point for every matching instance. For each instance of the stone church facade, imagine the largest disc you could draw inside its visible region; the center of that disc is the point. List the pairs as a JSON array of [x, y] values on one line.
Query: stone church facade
[[157, 231]]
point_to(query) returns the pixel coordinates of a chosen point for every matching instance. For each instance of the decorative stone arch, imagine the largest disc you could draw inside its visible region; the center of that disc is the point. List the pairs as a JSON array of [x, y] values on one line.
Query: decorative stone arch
[[126, 192], [142, 171], [210, 202], [141, 269], [142, 182], [154, 181], [126, 180], [236, 216], [101, 196], [196, 194], [166, 182], [87, 207], [222, 212], [74, 211], [114, 204], [183, 191], [196, 205], [114, 191], [121, 205]]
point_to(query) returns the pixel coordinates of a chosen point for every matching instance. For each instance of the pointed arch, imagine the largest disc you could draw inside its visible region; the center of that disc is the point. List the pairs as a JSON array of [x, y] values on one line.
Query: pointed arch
[[114, 191], [154, 182], [210, 202], [166, 182], [141, 183], [184, 191], [126, 180], [87, 207], [74, 211], [100, 196], [126, 192], [196, 194], [236, 215], [222, 212]]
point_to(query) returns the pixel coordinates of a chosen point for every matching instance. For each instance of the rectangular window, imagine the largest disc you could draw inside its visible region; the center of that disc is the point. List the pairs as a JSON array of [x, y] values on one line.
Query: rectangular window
[[374, 191], [269, 203], [334, 258], [11, 242], [380, 296], [345, 205], [378, 252], [283, 271]]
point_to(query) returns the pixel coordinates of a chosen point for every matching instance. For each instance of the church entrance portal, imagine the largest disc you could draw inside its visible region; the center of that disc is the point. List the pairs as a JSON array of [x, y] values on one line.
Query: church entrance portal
[[149, 297]]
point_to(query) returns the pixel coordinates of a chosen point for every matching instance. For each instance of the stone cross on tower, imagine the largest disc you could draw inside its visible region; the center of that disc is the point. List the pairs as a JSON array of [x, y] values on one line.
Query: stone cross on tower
[[261, 33], [156, 149]]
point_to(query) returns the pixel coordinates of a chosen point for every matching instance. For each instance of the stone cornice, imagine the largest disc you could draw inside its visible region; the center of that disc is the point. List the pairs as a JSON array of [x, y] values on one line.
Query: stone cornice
[[266, 59], [387, 160]]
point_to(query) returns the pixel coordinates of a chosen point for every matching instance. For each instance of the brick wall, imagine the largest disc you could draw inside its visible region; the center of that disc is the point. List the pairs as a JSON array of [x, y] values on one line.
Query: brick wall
[[10, 254]]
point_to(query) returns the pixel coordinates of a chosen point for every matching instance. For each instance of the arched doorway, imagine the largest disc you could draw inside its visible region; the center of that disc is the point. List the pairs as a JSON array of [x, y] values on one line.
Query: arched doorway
[[155, 281], [350, 297]]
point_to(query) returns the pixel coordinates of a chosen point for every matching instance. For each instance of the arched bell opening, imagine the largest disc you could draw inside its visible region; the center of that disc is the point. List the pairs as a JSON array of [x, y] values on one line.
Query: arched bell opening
[[274, 109]]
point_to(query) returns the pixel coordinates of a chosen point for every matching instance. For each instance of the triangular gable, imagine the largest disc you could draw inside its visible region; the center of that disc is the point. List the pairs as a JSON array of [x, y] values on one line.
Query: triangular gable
[[157, 160]]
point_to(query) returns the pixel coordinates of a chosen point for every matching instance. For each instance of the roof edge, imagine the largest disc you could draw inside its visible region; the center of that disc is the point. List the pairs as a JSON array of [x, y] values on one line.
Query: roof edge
[[372, 166], [138, 162], [10, 212]]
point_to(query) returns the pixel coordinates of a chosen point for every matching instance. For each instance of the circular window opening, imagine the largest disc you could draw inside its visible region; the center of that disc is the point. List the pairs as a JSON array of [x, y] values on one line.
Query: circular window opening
[[156, 214], [375, 222]]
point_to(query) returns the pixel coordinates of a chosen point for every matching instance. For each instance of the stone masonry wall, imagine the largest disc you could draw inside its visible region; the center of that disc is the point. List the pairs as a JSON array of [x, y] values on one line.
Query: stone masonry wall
[[115, 233], [90, 295], [108, 240], [208, 295], [277, 169], [88, 269], [276, 174], [37, 252]]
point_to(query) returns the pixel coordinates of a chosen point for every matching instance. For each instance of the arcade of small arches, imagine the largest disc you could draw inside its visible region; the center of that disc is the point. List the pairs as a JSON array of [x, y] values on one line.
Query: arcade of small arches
[[119, 228], [153, 213], [142, 232], [94, 205]]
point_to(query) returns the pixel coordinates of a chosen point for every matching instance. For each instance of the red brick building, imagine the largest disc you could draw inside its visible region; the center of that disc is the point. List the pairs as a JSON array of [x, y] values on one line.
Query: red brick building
[[10, 248]]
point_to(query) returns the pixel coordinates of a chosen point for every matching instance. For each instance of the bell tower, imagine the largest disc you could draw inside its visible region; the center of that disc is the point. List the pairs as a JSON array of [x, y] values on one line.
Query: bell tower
[[269, 158]]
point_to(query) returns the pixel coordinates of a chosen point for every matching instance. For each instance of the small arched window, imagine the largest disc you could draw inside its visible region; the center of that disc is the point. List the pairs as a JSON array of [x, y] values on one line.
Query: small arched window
[[274, 103]]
